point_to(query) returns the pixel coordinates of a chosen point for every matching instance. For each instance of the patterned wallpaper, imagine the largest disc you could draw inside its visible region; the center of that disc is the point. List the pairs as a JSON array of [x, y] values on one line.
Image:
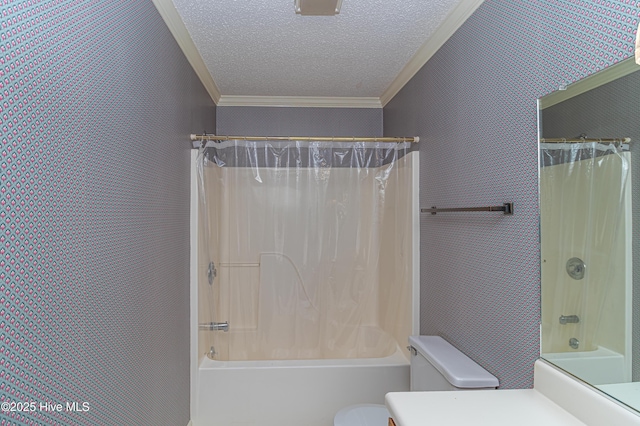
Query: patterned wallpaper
[[96, 100], [272, 121], [474, 107]]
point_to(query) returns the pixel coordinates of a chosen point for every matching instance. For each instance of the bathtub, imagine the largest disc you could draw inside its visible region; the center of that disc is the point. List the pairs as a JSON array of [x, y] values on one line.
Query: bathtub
[[247, 386], [293, 392], [598, 367]]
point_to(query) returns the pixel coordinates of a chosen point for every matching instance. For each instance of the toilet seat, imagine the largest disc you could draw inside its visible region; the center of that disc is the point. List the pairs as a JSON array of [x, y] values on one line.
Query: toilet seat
[[362, 415]]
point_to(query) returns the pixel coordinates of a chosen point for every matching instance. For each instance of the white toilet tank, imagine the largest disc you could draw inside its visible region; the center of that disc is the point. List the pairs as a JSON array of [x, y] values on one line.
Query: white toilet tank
[[436, 365]]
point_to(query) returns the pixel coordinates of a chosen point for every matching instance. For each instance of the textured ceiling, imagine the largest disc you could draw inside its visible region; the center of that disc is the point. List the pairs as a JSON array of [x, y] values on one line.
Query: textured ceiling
[[262, 48]]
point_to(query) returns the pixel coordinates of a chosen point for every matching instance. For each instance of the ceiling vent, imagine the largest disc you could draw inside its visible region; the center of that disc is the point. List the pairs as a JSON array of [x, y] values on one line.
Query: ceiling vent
[[318, 7]]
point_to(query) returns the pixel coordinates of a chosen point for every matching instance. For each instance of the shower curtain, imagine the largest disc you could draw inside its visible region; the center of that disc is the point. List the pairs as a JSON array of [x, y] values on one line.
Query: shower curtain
[[305, 239], [582, 203]]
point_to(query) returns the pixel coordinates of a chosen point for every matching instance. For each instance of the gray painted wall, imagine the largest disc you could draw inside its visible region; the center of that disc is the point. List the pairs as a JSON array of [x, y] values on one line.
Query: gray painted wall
[[474, 107], [274, 121]]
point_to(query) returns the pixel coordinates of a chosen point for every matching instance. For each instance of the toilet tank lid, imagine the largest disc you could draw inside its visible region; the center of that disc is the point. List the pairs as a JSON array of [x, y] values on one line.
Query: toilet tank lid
[[460, 370]]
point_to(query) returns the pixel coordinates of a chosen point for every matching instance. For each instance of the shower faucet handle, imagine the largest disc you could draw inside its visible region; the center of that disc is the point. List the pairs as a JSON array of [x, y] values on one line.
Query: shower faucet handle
[[569, 319]]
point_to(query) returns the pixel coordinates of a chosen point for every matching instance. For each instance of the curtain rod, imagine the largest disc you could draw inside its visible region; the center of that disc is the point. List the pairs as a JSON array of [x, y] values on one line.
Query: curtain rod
[[580, 140], [301, 138]]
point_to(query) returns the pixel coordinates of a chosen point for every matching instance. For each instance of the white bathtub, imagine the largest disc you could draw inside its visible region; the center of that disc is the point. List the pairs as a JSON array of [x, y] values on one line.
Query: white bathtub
[[598, 367], [248, 386], [292, 392]]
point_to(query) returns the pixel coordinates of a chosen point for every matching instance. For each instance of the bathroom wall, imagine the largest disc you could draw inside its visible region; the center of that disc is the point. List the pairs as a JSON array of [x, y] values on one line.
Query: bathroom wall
[[271, 121], [474, 107], [96, 102]]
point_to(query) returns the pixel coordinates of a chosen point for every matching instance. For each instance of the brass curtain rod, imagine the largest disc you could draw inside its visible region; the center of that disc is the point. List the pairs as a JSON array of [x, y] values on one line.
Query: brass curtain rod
[[301, 138], [580, 140]]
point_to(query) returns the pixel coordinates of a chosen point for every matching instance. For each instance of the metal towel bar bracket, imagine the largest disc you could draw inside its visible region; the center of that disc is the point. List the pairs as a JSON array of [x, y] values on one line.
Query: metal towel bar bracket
[[506, 208]]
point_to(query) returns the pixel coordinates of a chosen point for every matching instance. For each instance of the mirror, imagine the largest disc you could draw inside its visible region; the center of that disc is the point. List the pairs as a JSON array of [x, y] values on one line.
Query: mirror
[[589, 205]]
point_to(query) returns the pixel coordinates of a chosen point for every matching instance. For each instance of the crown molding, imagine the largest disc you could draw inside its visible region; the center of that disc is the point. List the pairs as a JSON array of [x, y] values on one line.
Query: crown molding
[[173, 20], [300, 101], [592, 81], [445, 30]]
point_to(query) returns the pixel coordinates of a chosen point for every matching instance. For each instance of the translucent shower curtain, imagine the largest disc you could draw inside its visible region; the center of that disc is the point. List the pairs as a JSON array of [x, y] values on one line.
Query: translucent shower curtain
[[300, 234], [582, 202]]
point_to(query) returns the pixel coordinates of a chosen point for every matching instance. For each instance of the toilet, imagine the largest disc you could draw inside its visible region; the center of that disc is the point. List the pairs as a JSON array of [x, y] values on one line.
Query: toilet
[[436, 365]]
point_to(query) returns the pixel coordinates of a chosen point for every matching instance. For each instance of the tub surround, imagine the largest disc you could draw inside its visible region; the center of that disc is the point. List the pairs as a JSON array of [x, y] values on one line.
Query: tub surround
[[556, 399], [296, 276], [287, 385]]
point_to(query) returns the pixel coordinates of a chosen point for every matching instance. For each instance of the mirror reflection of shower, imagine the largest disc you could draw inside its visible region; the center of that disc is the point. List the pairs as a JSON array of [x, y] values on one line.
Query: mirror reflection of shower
[[583, 187], [589, 210]]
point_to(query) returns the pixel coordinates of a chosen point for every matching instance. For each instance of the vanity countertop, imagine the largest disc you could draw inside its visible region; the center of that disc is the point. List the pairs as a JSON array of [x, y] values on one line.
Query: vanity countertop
[[482, 407], [556, 399]]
